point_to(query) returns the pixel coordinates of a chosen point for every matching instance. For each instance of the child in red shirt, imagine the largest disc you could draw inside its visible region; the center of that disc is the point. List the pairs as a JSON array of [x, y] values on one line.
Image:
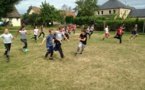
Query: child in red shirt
[[119, 34]]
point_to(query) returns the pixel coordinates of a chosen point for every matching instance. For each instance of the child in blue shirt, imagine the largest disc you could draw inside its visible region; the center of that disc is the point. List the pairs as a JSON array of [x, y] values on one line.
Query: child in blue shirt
[[49, 44]]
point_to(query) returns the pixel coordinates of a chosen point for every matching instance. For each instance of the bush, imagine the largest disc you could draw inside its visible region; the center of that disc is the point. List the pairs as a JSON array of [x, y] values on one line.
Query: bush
[[113, 24], [69, 19]]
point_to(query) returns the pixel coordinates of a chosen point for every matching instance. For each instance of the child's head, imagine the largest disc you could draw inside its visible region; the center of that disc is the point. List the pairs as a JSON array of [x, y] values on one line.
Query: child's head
[[42, 26], [60, 28], [22, 28], [51, 31], [6, 31], [136, 25], [83, 32], [35, 27]]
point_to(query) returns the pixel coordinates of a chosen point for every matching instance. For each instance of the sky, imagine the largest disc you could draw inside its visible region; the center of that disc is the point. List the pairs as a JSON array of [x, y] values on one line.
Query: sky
[[24, 5]]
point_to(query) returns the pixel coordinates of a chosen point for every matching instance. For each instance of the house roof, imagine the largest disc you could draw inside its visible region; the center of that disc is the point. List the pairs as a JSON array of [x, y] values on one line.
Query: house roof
[[137, 13], [68, 13], [14, 14], [36, 9], [113, 4]]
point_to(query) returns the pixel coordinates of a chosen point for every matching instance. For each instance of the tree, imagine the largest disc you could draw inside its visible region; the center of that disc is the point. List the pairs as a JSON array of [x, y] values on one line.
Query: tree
[[66, 8], [69, 19], [49, 13], [86, 7], [7, 6], [32, 19]]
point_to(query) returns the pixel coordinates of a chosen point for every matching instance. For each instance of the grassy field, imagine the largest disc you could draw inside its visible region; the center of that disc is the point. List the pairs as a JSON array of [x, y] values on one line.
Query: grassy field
[[105, 65]]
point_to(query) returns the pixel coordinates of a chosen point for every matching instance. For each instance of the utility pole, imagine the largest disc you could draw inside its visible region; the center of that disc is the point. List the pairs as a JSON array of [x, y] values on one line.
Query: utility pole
[[144, 27]]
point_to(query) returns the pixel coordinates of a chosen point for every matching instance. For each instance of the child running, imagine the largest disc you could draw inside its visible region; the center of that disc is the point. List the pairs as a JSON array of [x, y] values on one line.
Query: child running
[[35, 34], [82, 43], [91, 30], [119, 34], [42, 31], [7, 40], [74, 28], [107, 34], [23, 38], [49, 44], [59, 36], [134, 32]]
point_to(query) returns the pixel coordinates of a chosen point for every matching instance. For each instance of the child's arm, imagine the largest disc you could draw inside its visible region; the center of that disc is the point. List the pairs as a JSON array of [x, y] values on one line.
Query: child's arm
[[43, 41], [17, 33], [82, 39], [65, 37], [58, 40]]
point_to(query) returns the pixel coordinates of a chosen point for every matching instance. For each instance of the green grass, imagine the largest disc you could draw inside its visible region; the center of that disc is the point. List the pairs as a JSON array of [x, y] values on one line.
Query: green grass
[[104, 65]]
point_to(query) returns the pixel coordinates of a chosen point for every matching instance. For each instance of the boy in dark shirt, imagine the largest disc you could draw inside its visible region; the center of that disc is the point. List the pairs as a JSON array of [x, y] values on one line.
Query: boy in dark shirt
[[82, 43]]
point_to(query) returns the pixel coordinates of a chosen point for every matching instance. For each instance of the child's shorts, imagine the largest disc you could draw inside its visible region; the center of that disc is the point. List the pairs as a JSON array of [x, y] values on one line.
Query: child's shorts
[[134, 32], [81, 45], [50, 48], [107, 34]]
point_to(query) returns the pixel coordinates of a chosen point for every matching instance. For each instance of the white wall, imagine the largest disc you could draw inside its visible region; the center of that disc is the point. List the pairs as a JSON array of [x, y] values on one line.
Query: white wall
[[14, 21]]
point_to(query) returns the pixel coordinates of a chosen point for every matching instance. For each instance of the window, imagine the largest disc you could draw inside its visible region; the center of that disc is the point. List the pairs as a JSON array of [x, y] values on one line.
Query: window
[[109, 11], [98, 12], [114, 11], [102, 12]]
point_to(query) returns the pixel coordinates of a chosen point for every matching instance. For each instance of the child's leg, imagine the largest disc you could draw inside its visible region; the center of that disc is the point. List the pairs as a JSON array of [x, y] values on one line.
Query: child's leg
[[43, 34], [83, 47], [60, 49], [40, 34], [35, 37], [51, 51], [79, 47], [25, 43], [8, 47], [48, 52], [120, 39]]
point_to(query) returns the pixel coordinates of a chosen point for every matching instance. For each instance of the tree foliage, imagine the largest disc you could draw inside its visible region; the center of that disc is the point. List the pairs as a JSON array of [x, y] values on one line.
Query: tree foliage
[[49, 13], [66, 8], [7, 6], [69, 19], [86, 7]]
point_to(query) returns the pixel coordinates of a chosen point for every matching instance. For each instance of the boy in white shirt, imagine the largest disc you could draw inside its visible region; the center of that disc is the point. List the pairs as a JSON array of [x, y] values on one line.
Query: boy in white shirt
[[7, 40]]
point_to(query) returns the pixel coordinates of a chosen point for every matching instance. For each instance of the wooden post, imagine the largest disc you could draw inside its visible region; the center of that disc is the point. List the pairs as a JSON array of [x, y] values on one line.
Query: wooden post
[[104, 24], [144, 27]]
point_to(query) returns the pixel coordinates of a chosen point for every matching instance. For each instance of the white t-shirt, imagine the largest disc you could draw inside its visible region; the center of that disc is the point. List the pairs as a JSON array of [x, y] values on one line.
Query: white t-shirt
[[106, 30], [59, 35], [92, 28], [35, 31], [23, 34], [7, 38]]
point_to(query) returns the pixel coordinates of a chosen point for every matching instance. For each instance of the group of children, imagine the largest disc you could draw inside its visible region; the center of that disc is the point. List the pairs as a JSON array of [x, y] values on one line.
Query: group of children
[[120, 32], [54, 39]]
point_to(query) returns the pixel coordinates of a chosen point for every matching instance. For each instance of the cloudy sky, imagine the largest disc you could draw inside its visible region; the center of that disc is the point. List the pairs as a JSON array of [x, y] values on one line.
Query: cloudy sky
[[23, 6]]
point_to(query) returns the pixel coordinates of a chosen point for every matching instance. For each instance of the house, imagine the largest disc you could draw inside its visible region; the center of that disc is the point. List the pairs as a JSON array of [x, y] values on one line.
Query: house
[[138, 13], [34, 9], [37, 10], [68, 13], [13, 18], [120, 10]]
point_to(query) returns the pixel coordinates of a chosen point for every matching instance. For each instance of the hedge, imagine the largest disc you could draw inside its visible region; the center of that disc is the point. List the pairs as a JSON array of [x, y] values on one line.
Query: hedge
[[113, 24]]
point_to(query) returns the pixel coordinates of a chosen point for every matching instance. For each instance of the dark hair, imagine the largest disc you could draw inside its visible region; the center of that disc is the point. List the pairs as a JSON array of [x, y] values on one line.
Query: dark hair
[[35, 27], [60, 27], [50, 30], [22, 27], [84, 31]]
